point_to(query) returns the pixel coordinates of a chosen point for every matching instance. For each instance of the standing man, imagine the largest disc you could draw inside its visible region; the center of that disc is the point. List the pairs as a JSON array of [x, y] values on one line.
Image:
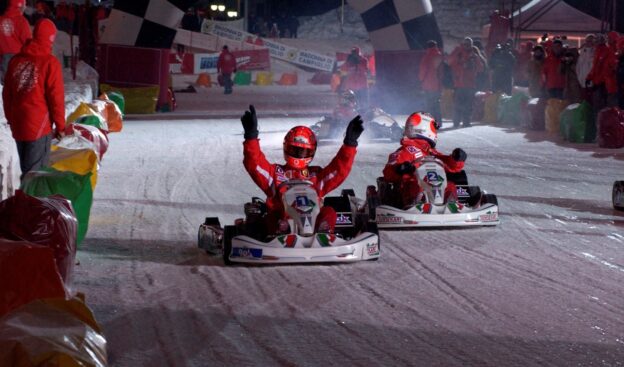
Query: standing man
[[356, 79], [34, 98], [14, 31], [465, 62], [430, 75], [585, 62], [226, 65], [554, 79]]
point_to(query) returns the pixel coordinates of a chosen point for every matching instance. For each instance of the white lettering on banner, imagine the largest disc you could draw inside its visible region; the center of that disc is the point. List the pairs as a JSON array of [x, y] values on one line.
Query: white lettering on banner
[[206, 63], [278, 50]]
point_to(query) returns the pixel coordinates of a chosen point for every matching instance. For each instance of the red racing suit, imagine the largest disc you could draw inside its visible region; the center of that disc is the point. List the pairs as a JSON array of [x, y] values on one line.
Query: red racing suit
[[413, 150], [268, 176], [226, 63]]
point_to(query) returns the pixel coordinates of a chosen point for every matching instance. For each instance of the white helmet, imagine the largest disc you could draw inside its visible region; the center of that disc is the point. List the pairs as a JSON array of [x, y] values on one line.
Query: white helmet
[[421, 125]]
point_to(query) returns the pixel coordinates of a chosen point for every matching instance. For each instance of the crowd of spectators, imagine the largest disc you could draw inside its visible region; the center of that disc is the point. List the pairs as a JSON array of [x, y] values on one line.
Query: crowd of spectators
[[550, 68]]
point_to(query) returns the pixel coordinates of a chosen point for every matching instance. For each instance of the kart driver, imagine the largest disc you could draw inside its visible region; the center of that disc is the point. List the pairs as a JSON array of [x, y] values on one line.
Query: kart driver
[[299, 148], [419, 140]]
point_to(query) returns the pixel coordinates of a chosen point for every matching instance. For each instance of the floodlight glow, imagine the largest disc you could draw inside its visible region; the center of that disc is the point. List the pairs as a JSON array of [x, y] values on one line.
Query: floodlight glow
[[221, 7], [213, 7]]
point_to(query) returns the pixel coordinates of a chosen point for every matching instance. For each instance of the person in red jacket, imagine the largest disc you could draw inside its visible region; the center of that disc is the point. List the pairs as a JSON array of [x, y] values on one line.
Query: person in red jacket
[[299, 148], [356, 70], [419, 140], [554, 78], [14, 32], [429, 74], [34, 97], [226, 65], [465, 62]]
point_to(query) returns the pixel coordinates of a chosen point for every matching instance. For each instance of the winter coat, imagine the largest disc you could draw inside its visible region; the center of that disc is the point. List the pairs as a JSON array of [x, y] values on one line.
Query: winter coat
[[551, 73], [226, 63], [584, 63], [429, 72], [603, 68], [356, 68], [14, 28], [33, 94], [572, 91], [534, 75], [413, 150], [465, 66], [268, 176]]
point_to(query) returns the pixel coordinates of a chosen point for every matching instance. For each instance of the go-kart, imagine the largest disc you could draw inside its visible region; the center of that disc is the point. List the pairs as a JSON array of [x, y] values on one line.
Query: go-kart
[[378, 125], [472, 207], [618, 195], [355, 238]]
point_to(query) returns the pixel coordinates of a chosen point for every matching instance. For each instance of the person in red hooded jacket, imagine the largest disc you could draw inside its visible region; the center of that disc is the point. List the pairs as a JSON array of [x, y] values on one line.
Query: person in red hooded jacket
[[465, 62], [226, 65], [14, 32], [34, 97], [299, 149], [554, 79], [356, 70], [430, 76], [419, 140]]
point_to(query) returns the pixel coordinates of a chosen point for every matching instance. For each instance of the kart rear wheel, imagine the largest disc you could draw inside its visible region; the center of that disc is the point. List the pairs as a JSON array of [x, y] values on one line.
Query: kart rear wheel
[[228, 233], [617, 196], [489, 199]]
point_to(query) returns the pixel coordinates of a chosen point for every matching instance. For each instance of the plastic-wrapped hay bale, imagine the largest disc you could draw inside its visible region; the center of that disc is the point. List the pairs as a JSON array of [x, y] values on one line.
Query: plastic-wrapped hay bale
[[490, 113], [139, 100], [76, 188], [554, 107], [537, 113], [92, 120], [503, 109], [110, 112], [288, 79], [79, 161], [446, 103], [28, 272], [242, 78], [611, 128], [48, 222], [518, 113], [478, 109], [118, 99], [264, 78], [92, 134], [52, 332], [573, 122], [85, 110]]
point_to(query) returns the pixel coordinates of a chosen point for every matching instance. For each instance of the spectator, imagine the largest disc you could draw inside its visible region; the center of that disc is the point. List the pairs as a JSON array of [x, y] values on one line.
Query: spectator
[[356, 70], [520, 71], [34, 98], [15, 33], [41, 11], [534, 72], [191, 21], [572, 91], [293, 25], [431, 80], [554, 80], [466, 63], [602, 75], [274, 33], [584, 63], [226, 65], [620, 72], [502, 64]]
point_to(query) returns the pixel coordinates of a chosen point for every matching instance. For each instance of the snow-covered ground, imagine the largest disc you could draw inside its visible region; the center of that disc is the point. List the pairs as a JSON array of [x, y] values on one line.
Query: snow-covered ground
[[545, 288]]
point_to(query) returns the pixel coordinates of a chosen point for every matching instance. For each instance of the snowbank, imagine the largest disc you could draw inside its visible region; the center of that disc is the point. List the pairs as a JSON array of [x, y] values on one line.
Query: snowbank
[[327, 26]]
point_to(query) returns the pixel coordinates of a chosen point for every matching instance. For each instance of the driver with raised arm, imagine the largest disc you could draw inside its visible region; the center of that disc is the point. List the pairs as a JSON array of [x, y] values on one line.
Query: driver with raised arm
[[299, 148], [419, 140]]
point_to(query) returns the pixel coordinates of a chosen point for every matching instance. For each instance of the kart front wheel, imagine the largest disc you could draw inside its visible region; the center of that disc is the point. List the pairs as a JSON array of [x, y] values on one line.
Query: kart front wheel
[[618, 195], [489, 199], [228, 233]]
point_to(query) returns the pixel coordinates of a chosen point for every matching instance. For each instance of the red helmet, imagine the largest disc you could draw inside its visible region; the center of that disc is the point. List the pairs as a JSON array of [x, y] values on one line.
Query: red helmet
[[421, 125], [299, 147]]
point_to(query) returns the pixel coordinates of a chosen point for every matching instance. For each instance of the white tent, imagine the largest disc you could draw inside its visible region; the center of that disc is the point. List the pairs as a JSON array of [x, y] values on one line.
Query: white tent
[[554, 16]]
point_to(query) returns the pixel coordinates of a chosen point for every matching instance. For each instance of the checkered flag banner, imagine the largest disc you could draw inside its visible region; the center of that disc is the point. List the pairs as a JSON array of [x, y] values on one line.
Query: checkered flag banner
[[144, 23], [396, 25]]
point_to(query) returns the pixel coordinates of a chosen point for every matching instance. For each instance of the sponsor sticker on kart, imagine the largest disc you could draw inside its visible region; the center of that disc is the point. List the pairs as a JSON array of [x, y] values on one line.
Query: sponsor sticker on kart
[[462, 192], [343, 219], [247, 253], [389, 219], [489, 217], [372, 249]]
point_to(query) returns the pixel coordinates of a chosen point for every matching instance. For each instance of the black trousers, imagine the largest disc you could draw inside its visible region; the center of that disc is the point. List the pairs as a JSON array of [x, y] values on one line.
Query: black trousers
[[463, 101]]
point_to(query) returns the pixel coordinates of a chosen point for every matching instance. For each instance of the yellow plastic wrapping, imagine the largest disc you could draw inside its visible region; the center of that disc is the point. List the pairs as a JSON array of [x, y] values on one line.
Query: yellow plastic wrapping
[[80, 161], [140, 100], [84, 109], [264, 78], [52, 332], [554, 107], [446, 103], [490, 110]]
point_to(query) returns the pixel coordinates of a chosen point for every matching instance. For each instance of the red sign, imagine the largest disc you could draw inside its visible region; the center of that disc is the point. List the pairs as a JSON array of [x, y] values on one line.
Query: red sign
[[253, 59]]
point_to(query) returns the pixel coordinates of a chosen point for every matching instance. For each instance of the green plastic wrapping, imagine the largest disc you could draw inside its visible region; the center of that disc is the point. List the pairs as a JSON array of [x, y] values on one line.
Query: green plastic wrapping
[[574, 121]]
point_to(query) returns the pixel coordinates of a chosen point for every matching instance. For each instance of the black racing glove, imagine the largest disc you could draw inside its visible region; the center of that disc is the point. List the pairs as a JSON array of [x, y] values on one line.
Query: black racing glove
[[459, 155], [405, 168], [354, 130], [250, 123]]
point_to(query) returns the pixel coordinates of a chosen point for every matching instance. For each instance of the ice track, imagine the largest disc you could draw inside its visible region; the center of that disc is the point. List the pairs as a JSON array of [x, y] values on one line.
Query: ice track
[[545, 288]]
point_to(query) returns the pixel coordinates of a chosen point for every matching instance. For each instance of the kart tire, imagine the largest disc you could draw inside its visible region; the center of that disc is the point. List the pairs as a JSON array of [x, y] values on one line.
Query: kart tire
[[617, 195], [489, 199], [228, 233]]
